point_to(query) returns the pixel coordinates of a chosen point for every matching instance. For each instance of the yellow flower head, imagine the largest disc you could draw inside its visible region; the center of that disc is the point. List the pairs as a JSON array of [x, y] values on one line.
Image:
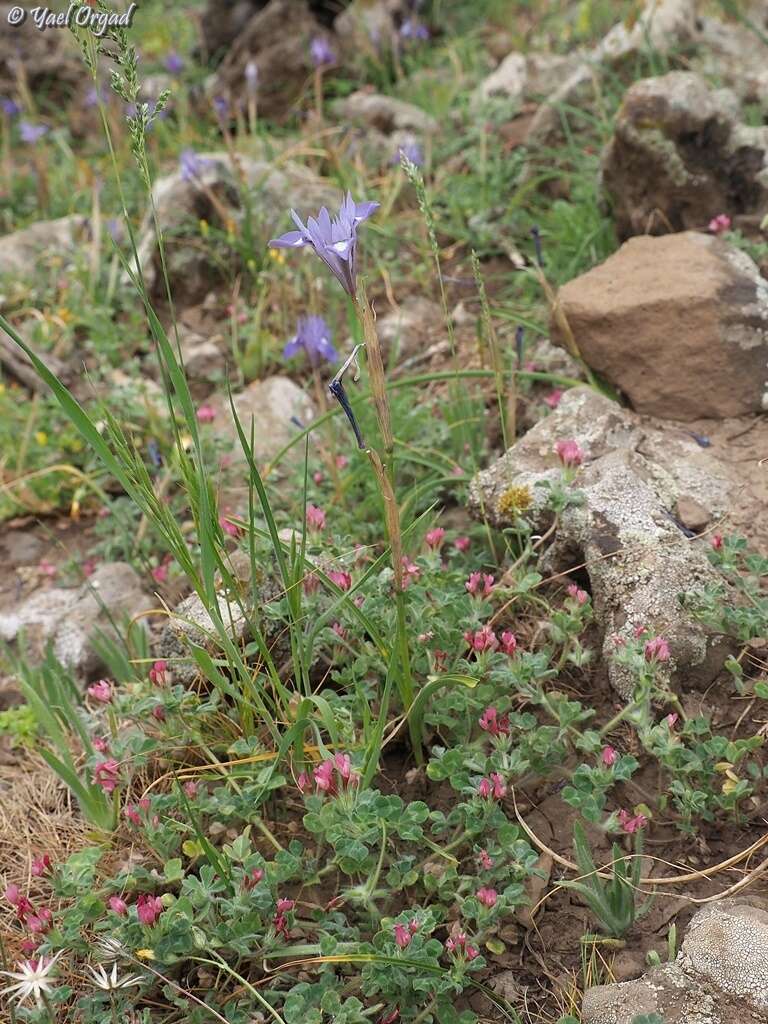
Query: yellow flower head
[[515, 500], [145, 954]]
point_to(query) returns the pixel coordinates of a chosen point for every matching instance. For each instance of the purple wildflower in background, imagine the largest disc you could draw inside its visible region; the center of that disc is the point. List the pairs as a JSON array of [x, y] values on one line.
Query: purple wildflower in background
[[334, 241], [313, 337], [221, 106], [414, 29], [191, 165], [412, 151], [32, 132], [115, 229], [321, 52], [9, 106], [174, 64]]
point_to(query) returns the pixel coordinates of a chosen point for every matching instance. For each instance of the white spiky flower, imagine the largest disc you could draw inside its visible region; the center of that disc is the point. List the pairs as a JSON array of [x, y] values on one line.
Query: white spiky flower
[[111, 982], [109, 949], [33, 978]]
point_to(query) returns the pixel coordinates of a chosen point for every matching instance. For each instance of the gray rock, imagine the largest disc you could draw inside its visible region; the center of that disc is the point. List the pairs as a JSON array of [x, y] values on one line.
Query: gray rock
[[368, 27], [521, 77], [48, 61], [719, 976], [410, 329], [22, 252], [385, 113], [638, 560], [190, 622], [679, 156], [214, 195], [72, 618], [275, 406], [732, 54], [204, 358]]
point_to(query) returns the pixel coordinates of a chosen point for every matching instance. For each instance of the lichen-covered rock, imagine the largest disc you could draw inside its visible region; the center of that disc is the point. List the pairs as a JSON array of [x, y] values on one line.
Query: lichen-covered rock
[[380, 126], [410, 328], [719, 976], [679, 155], [624, 532], [71, 618], [678, 323]]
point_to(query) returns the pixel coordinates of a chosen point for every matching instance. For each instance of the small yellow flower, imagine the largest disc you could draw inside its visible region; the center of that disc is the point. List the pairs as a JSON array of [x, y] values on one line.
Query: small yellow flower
[[514, 500], [41, 437], [63, 313], [278, 256], [145, 954]]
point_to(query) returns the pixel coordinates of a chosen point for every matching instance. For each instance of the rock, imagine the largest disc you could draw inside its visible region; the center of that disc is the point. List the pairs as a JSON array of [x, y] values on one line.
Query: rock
[[719, 976], [72, 618], [204, 359], [734, 55], [410, 329], [47, 62], [637, 558], [522, 77], [278, 409], [23, 252], [662, 26], [370, 27], [380, 126], [679, 156], [278, 39], [384, 113], [663, 318], [215, 195], [190, 622]]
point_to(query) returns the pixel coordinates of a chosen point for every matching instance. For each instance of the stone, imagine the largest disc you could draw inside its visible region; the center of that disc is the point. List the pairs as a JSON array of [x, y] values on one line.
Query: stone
[[624, 532], [410, 329], [679, 156], [190, 622], [278, 409], [678, 323], [384, 113], [204, 359], [719, 976], [521, 77], [23, 252], [278, 39], [662, 26], [369, 27], [215, 196], [47, 62], [734, 55], [73, 617]]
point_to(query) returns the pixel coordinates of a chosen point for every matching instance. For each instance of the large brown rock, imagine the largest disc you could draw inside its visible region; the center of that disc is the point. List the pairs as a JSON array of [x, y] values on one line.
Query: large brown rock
[[678, 323], [679, 156]]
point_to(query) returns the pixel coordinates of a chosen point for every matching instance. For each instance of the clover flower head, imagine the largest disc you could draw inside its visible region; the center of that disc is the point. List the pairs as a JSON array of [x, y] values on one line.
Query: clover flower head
[[609, 756], [570, 453], [313, 337], [488, 897], [720, 224], [101, 691], [334, 240], [402, 936], [657, 649], [631, 823], [434, 537]]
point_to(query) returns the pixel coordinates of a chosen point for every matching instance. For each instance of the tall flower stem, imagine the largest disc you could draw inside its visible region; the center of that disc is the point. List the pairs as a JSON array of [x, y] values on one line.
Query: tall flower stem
[[385, 476]]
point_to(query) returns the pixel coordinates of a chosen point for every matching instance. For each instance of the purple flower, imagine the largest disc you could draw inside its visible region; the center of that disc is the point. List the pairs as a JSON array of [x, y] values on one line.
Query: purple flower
[[413, 29], [412, 151], [9, 106], [115, 229], [221, 106], [313, 335], [191, 165], [334, 241], [321, 52], [174, 65], [32, 132]]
